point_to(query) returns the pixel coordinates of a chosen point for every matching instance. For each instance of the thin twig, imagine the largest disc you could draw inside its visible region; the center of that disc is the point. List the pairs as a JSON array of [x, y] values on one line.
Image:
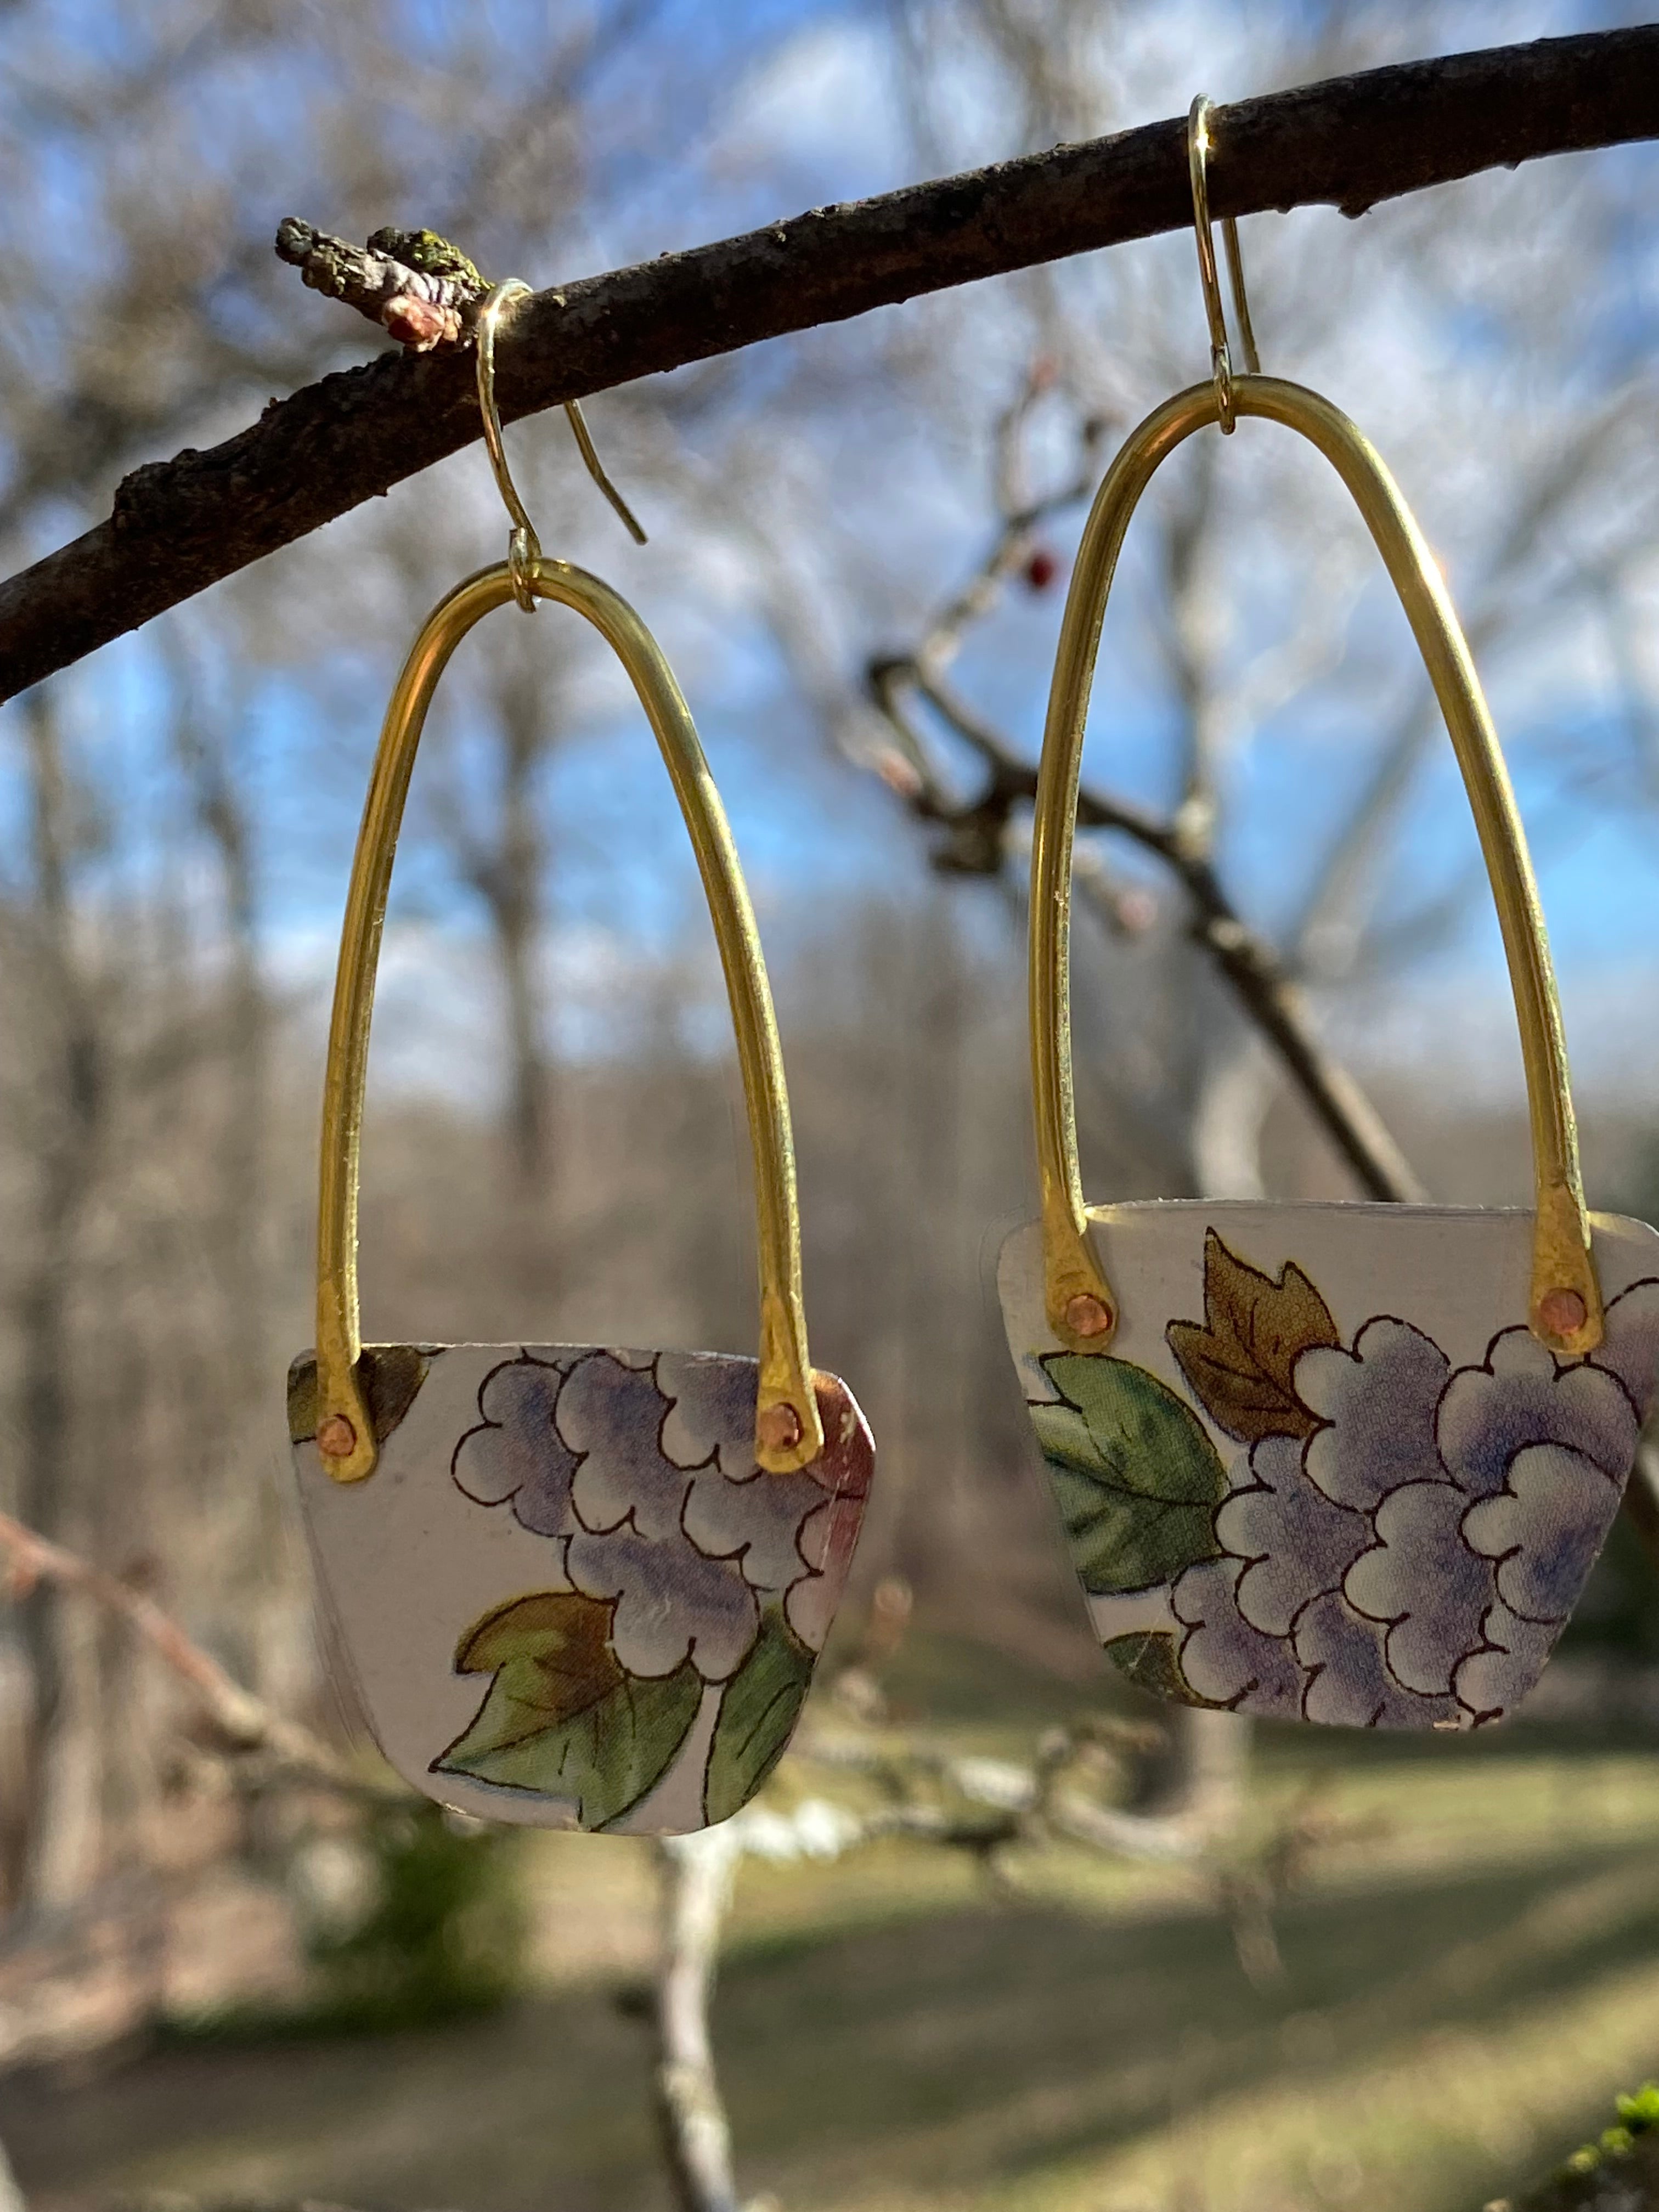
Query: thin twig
[[413, 283], [978, 841], [929, 1792], [696, 1873], [245, 1721]]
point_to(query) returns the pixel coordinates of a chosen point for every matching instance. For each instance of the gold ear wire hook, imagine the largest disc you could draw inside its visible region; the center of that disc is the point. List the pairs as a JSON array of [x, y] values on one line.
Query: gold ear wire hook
[[1241, 301], [596, 470], [524, 547], [1221, 364]]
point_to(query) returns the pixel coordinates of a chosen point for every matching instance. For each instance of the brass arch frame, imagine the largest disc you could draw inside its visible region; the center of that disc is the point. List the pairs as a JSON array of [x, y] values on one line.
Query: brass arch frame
[[786, 1374], [1563, 1264]]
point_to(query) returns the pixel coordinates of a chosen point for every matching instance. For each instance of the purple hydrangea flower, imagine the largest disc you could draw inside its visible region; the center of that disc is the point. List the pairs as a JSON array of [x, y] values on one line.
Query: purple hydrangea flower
[[732, 1509], [1630, 1348], [517, 1452], [711, 1417], [1224, 1660], [612, 1418], [1378, 1403], [757, 1522], [1413, 1561], [1295, 1543], [1544, 1529], [671, 1602], [1348, 1681], [1522, 1396], [1508, 1661], [1422, 1584], [643, 1468]]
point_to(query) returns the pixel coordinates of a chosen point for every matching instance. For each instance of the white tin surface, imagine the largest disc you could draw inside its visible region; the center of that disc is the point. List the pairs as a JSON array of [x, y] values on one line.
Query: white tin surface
[[568, 1595], [1324, 1471]]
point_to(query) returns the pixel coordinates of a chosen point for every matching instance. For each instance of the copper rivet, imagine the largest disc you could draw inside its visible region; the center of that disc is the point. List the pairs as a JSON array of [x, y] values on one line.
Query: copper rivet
[[779, 1428], [1563, 1313], [1087, 1316], [337, 1438]]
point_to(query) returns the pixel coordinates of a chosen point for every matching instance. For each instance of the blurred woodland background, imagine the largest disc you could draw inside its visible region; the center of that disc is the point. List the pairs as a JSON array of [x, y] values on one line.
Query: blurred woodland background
[[1394, 1975]]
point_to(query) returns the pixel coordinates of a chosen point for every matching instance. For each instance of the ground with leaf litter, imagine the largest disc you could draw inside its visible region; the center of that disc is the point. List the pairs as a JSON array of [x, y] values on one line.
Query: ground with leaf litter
[[1468, 1985]]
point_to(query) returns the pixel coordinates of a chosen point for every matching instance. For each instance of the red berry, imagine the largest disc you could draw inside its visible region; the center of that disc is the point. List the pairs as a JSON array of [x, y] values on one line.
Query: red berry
[[1040, 569]]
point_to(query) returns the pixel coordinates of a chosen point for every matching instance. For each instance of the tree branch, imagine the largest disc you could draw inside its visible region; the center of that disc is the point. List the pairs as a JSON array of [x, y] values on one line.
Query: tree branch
[[180, 526], [411, 282], [1266, 991], [245, 1721], [931, 1795], [696, 1887]]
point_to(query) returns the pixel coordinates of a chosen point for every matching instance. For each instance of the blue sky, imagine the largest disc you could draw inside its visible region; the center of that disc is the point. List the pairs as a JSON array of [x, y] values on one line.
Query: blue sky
[[790, 102]]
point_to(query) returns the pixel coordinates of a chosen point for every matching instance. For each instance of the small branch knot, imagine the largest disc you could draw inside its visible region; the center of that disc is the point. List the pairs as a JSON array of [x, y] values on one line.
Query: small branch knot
[[419, 287]]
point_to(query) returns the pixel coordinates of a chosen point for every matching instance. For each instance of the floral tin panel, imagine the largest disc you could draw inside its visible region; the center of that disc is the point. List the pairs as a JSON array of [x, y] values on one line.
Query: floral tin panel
[[1325, 1473], [568, 1595]]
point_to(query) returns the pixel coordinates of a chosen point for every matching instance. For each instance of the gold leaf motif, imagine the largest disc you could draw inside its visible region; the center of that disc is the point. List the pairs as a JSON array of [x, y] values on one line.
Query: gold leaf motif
[[561, 1718], [559, 1643], [389, 1374], [1240, 1359]]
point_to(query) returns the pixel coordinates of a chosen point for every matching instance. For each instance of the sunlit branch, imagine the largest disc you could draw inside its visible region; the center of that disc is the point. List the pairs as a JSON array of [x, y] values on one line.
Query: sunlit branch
[[178, 526], [245, 1723], [977, 828]]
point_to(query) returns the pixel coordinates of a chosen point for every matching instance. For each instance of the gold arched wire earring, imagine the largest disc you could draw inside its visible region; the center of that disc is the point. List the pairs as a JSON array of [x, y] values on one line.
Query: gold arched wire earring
[[639, 1553], [1346, 1463]]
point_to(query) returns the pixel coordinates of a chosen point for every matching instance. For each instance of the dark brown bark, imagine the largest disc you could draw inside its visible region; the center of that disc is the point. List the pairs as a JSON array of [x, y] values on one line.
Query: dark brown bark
[[179, 525]]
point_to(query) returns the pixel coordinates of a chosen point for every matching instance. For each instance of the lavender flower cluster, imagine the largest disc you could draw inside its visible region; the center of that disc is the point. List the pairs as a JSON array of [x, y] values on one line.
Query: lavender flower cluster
[[1415, 1558], [641, 1468]]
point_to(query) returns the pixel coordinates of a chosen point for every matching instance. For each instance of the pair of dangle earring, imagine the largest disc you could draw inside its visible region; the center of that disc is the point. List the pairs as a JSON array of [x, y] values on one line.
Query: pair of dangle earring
[[1344, 1463], [1348, 1464], [577, 1586]]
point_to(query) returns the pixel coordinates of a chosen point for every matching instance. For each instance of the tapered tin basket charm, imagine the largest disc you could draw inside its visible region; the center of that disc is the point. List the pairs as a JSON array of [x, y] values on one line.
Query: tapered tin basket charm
[[1339, 1463], [578, 1585]]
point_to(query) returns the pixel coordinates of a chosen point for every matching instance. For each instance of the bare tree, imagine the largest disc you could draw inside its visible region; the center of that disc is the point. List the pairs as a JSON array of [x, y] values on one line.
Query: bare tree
[[884, 602], [50, 1852]]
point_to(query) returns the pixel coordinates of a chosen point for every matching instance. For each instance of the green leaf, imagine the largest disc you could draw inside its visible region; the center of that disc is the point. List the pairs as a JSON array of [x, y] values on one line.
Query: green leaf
[[551, 1657], [757, 1716], [1134, 1474], [1065, 1435], [562, 1717], [1148, 1657]]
